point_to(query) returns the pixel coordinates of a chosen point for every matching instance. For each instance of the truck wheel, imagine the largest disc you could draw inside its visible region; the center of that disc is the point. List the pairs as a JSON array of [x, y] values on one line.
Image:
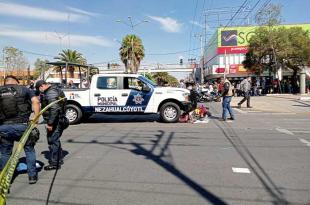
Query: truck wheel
[[74, 114], [170, 112]]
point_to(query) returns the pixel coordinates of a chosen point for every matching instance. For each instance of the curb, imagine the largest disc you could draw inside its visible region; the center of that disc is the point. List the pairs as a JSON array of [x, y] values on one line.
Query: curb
[[304, 98]]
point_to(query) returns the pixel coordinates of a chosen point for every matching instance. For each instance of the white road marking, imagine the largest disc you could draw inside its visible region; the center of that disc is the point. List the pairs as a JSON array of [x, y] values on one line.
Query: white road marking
[[285, 131], [303, 132], [241, 170], [305, 141], [201, 121], [241, 111]]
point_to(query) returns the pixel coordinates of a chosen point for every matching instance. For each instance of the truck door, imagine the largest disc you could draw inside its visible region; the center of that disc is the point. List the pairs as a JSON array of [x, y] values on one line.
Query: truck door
[[108, 95], [139, 94]]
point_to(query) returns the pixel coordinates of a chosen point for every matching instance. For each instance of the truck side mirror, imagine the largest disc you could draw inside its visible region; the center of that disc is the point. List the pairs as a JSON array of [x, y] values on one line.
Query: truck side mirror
[[146, 88]]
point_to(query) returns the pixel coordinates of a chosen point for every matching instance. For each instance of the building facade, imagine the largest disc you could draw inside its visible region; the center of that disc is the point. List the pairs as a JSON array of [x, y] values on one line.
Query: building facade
[[225, 52]]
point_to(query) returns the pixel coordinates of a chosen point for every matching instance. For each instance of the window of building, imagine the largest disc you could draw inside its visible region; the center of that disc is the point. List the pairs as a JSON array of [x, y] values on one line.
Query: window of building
[[221, 60], [237, 59], [231, 59]]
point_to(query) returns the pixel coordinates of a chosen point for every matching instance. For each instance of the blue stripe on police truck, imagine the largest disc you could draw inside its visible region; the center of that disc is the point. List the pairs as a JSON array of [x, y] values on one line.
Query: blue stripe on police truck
[[139, 98]]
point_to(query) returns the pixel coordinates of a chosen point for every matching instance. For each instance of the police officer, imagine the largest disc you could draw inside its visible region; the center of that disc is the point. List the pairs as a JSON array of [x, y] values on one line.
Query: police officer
[[15, 110], [53, 116]]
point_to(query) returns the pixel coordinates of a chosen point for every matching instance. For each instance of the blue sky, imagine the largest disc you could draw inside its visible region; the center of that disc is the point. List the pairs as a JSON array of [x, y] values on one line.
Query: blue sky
[[46, 27]]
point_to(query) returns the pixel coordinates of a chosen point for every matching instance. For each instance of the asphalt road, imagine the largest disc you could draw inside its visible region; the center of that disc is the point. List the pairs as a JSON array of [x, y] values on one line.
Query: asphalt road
[[261, 158]]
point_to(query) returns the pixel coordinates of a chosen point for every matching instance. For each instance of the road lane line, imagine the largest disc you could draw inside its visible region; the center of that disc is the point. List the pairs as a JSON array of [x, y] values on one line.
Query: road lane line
[[302, 132], [305, 141], [285, 131], [241, 170], [240, 111]]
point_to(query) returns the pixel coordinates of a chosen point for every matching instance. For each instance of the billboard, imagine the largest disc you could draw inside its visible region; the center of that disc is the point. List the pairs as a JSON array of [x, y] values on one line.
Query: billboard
[[229, 38], [240, 36]]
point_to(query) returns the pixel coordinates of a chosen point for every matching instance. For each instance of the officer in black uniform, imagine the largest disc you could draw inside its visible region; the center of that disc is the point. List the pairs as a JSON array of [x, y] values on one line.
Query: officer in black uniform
[[54, 117], [15, 110]]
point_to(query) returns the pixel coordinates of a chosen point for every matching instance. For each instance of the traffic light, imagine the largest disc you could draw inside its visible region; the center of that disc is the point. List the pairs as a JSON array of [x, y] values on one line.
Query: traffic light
[[108, 65], [181, 61]]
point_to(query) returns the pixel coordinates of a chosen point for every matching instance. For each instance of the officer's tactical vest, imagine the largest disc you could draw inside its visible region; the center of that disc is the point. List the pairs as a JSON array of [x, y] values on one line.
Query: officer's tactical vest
[[14, 107]]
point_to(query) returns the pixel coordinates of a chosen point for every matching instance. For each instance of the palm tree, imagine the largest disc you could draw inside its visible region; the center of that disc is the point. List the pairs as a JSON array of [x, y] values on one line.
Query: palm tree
[[131, 53], [71, 56]]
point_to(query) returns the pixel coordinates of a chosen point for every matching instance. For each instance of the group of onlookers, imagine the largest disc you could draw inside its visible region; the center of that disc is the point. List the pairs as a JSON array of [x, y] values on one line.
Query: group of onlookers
[[265, 85]]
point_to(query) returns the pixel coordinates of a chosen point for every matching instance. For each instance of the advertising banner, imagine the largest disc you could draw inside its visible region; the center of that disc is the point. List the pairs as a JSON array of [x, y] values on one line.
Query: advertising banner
[[232, 50], [240, 36]]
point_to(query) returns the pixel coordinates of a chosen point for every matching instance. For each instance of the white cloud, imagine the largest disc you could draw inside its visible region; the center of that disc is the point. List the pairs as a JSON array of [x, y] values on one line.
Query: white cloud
[[80, 11], [12, 9], [168, 24], [197, 24], [47, 37]]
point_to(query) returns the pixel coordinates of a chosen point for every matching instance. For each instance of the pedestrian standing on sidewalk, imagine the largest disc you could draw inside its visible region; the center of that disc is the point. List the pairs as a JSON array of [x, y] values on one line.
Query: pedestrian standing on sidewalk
[[246, 91], [227, 93]]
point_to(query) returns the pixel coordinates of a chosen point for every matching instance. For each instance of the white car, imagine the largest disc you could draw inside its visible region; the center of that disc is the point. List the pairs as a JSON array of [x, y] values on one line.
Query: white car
[[126, 94]]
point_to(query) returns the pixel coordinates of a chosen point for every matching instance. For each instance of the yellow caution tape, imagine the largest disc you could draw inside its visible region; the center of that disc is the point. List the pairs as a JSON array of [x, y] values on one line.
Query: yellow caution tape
[[8, 171]]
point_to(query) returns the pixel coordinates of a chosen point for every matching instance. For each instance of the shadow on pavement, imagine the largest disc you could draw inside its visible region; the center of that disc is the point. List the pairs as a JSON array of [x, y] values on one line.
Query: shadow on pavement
[[168, 165], [268, 184], [99, 118], [164, 159], [46, 154], [303, 104]]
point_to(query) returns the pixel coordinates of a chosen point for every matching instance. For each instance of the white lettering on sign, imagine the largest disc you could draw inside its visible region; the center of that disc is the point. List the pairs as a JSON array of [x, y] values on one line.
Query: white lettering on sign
[[119, 109], [107, 100]]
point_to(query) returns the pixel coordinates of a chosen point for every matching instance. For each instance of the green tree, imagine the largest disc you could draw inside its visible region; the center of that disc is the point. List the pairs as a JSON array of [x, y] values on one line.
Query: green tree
[[71, 56], [291, 49], [40, 67], [131, 53], [150, 77], [163, 78], [14, 61], [297, 49]]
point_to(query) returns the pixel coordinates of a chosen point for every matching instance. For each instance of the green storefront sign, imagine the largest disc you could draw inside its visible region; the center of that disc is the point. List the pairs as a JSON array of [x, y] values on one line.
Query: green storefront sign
[[239, 36]]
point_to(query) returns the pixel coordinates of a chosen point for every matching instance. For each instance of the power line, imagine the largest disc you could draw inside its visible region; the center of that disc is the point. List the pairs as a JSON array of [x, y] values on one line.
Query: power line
[[37, 54], [184, 51], [190, 34]]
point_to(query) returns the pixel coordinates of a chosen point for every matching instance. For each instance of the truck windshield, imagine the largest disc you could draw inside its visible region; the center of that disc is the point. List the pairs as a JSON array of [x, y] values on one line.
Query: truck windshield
[[148, 81]]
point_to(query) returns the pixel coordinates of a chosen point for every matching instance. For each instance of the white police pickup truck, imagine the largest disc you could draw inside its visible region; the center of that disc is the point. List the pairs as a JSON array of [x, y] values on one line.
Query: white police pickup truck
[[125, 94]]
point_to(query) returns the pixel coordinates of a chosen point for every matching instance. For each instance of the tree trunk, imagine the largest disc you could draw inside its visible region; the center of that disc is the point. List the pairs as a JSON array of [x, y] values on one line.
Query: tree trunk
[[71, 72], [294, 81]]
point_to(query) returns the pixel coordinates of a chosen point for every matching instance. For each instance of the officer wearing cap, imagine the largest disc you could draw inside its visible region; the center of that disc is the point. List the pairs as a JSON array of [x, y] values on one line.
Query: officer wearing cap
[[54, 117], [15, 109]]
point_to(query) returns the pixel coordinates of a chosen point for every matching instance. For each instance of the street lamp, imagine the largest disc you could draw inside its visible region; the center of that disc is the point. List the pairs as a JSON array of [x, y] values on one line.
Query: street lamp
[[132, 25]]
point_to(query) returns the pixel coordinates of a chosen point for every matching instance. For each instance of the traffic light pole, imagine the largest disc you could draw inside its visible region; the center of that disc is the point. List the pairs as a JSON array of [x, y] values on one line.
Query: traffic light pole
[[202, 70]]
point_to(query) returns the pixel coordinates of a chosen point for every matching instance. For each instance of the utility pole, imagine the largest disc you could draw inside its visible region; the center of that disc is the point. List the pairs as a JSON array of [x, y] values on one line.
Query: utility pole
[[225, 63], [203, 50], [3, 63]]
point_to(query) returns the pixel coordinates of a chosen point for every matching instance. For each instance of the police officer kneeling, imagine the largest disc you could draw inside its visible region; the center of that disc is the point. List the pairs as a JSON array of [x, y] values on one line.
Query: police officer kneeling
[[15, 110]]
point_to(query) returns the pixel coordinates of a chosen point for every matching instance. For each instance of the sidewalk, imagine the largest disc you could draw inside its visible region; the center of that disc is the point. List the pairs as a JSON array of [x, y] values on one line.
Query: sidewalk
[[274, 104]]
